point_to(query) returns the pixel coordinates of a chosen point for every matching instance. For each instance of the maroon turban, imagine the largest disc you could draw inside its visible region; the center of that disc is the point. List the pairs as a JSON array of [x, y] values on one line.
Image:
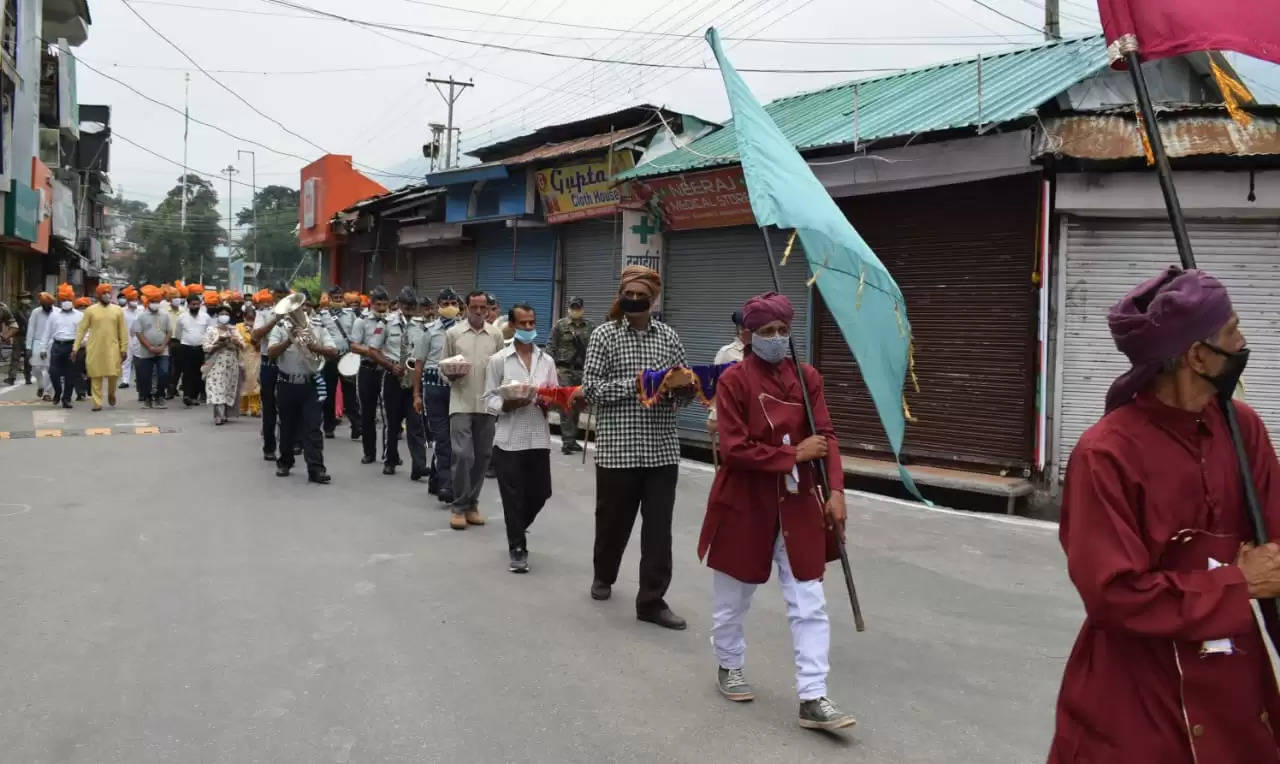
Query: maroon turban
[[1158, 320], [767, 308]]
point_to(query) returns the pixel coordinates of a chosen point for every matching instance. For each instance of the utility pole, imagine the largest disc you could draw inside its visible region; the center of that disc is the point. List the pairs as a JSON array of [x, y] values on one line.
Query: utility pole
[[456, 88], [1052, 21], [186, 100], [254, 203], [230, 171]]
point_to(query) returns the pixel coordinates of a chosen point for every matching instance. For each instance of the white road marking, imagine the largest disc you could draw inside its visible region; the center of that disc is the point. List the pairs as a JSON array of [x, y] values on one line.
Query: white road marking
[[43, 419], [381, 557], [22, 509], [10, 388]]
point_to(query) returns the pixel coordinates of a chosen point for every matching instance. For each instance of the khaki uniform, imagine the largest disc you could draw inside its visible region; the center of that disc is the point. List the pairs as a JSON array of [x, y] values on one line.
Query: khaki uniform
[[568, 348]]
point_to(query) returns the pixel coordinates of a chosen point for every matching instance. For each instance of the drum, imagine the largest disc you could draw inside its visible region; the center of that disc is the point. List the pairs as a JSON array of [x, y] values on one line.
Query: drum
[[349, 365]]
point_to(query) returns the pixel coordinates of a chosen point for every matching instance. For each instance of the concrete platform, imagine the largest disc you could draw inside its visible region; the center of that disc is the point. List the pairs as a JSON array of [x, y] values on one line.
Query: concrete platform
[[1012, 488]]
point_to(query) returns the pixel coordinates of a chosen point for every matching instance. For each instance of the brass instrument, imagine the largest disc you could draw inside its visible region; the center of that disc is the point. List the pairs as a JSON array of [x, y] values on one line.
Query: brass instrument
[[406, 379], [293, 310]]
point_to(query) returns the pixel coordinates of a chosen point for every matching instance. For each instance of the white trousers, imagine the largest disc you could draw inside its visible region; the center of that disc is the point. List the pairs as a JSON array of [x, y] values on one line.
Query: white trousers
[[126, 368], [806, 612]]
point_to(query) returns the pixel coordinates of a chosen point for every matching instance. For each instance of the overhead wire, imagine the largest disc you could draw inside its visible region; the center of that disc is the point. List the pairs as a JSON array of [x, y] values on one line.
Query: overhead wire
[[1004, 15]]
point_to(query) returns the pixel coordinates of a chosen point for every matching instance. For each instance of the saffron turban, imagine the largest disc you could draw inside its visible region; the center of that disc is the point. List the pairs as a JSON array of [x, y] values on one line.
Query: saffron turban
[[103, 289], [65, 292]]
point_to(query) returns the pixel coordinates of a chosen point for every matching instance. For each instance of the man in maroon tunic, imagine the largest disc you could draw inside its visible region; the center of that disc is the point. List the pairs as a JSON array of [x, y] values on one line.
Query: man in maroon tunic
[[765, 508], [1170, 666]]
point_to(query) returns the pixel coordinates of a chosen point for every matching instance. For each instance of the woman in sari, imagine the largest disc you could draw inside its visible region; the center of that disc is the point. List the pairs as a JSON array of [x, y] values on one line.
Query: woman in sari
[[250, 391], [222, 348]]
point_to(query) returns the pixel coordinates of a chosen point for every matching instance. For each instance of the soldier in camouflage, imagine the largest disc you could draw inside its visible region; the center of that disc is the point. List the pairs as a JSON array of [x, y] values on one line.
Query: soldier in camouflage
[[568, 347], [10, 332]]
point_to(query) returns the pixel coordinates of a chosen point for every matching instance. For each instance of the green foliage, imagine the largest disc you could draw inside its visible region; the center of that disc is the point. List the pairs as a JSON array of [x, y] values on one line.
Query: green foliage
[[272, 240], [166, 249], [309, 283]]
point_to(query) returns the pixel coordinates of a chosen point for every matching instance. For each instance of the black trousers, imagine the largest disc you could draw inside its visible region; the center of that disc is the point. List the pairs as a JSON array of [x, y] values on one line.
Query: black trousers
[[620, 493], [300, 418], [524, 482], [267, 371], [350, 402], [191, 360], [175, 367], [80, 365], [369, 384], [62, 370], [397, 407], [329, 372]]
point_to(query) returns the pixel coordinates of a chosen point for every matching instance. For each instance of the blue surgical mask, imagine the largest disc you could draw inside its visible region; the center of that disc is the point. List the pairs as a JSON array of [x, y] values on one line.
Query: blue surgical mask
[[526, 336], [770, 349]]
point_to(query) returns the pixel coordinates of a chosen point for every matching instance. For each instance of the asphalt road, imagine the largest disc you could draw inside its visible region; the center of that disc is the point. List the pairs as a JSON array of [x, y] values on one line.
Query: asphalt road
[[166, 598]]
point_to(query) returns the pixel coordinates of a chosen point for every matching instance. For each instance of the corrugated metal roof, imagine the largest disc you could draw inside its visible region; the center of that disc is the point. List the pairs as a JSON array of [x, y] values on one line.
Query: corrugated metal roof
[[1113, 136], [930, 99], [575, 146]]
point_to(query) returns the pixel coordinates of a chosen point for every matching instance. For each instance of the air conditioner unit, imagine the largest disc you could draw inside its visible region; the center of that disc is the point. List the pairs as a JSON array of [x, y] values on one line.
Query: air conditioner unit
[[50, 147]]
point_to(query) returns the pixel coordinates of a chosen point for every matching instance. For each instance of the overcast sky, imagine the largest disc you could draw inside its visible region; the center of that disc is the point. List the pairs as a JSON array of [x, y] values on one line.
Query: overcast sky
[[348, 89]]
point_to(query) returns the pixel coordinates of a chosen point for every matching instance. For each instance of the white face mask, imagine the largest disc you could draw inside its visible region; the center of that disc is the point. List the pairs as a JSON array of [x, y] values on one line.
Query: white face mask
[[224, 319], [122, 302], [65, 305], [153, 307], [133, 303], [161, 304]]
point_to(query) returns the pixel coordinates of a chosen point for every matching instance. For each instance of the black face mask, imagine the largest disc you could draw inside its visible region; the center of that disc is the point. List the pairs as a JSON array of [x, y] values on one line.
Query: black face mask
[[194, 310], [1225, 381], [628, 305]]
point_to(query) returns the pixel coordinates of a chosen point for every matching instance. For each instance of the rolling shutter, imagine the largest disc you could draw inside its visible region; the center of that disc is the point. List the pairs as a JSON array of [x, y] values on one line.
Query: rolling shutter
[[518, 265], [963, 256], [711, 273], [1106, 257], [591, 265], [435, 268]]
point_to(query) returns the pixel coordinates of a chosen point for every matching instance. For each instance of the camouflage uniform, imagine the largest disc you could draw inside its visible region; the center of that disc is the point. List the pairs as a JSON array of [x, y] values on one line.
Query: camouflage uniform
[[568, 348], [11, 332]]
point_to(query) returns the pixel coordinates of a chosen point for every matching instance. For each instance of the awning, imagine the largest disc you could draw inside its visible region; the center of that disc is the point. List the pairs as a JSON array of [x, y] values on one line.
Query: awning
[[430, 234], [1117, 136]]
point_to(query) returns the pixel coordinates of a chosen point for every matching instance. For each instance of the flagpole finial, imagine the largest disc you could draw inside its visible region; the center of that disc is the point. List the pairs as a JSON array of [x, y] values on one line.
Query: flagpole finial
[[1121, 47]]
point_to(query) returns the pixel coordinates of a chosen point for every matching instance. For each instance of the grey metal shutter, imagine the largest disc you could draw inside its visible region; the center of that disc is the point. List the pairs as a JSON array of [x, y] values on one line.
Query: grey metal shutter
[[711, 273], [1106, 257], [591, 265], [435, 268]]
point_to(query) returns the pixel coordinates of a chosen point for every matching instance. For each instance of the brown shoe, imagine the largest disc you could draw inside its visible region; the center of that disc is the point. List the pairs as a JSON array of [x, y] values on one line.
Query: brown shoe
[[474, 517], [458, 522]]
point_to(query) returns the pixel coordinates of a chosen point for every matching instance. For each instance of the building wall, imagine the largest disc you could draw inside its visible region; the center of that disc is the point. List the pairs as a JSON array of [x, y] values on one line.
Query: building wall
[[330, 184]]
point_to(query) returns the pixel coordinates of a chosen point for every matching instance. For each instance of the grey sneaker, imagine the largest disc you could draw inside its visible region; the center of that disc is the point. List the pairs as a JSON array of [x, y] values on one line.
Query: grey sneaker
[[820, 714], [733, 684], [519, 561]]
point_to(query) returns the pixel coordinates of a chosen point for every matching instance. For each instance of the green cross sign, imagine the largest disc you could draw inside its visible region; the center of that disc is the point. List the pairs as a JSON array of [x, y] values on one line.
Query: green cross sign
[[643, 229]]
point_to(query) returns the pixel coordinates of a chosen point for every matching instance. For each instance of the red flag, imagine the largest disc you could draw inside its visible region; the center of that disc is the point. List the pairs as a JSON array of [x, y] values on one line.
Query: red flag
[[1165, 28]]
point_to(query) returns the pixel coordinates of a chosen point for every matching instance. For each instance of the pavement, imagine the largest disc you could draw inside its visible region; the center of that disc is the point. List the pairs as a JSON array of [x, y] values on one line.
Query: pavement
[[166, 598]]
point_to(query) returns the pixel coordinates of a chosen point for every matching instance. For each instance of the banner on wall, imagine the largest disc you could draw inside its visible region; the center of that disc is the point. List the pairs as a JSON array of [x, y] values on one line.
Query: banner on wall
[[585, 190], [709, 199]]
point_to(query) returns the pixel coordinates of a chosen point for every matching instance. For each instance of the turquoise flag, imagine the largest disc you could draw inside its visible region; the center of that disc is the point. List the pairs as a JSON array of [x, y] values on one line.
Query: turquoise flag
[[858, 290]]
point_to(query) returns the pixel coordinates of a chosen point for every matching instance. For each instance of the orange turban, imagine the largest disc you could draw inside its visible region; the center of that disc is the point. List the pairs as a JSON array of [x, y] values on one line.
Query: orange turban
[[194, 289], [172, 292], [235, 296], [324, 299], [151, 294], [364, 300], [47, 299], [129, 293], [81, 302], [102, 289], [351, 296], [262, 296], [65, 292], [211, 299]]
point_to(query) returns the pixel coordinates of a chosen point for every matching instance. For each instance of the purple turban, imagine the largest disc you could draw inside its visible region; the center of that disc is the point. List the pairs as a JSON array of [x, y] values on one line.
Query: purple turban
[[1158, 320], [766, 308]]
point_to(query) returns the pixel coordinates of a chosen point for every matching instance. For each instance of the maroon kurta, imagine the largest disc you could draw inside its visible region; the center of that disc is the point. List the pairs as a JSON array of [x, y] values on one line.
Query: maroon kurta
[[1152, 493], [757, 404]]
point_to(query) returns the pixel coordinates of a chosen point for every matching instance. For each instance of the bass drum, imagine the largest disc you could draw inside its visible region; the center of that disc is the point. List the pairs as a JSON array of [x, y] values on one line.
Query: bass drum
[[349, 365]]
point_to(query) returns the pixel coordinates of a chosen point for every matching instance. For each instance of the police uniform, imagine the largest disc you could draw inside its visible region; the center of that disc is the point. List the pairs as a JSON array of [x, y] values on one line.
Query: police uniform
[[397, 399], [370, 331], [345, 321], [330, 319], [298, 401], [568, 348], [428, 353]]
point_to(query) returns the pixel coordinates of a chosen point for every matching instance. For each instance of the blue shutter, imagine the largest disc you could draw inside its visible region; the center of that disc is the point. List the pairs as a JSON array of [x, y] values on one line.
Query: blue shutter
[[518, 265]]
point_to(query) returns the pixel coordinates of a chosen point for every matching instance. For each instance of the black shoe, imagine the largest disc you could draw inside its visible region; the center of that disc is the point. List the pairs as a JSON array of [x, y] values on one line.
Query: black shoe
[[571, 447], [446, 497], [170, 396], [433, 488], [269, 456], [11, 380], [328, 434], [124, 386], [146, 404], [416, 475], [490, 473], [67, 405], [187, 402], [519, 561], [159, 403], [79, 397], [366, 460], [664, 618], [356, 435], [600, 591], [282, 471], [319, 477], [389, 469]]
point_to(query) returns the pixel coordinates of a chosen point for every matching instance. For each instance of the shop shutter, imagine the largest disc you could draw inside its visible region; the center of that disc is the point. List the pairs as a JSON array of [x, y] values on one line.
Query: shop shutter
[[435, 268], [963, 256], [1106, 257], [711, 273], [591, 265], [518, 265]]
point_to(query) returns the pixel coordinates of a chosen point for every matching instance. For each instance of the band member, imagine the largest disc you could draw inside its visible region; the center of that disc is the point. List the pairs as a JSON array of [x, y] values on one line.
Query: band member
[[263, 324], [367, 338], [637, 450], [397, 394], [300, 352], [329, 315], [568, 346], [1170, 664], [431, 393], [765, 509], [346, 320]]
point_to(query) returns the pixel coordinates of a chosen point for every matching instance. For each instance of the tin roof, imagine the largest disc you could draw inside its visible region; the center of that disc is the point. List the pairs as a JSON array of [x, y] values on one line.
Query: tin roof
[[1116, 136], [576, 146], [930, 99]]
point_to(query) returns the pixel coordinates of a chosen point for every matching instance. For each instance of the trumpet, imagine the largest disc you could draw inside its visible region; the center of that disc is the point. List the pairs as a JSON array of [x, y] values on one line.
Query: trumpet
[[292, 309]]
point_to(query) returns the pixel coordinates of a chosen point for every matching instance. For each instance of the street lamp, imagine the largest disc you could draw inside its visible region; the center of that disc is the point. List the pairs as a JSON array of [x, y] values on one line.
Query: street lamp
[[253, 164]]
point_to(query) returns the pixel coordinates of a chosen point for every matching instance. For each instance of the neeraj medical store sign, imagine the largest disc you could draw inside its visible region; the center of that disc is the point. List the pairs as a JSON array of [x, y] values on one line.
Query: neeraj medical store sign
[[579, 191], [710, 199]]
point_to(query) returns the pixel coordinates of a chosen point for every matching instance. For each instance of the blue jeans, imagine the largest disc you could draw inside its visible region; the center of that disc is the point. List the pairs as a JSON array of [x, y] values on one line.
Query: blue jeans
[[152, 377]]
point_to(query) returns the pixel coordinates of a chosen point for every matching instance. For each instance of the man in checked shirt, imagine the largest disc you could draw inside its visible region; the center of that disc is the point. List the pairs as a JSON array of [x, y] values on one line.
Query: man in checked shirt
[[637, 450]]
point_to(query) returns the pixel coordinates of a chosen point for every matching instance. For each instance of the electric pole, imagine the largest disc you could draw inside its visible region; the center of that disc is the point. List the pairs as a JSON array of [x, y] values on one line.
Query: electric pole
[[253, 160], [186, 100], [456, 89], [1052, 21], [230, 171]]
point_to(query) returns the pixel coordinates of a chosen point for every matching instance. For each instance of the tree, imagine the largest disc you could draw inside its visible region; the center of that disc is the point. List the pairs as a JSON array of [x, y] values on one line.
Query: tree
[[169, 250], [272, 241]]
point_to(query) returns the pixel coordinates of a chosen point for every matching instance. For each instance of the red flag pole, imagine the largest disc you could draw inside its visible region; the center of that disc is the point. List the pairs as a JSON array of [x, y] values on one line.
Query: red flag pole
[[1129, 47]]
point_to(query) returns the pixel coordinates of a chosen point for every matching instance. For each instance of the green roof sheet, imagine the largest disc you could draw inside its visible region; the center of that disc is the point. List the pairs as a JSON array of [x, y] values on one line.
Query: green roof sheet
[[930, 99]]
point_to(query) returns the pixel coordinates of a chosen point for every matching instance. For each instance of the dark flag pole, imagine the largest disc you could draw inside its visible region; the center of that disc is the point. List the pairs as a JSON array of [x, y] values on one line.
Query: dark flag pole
[[819, 467], [1179, 224]]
